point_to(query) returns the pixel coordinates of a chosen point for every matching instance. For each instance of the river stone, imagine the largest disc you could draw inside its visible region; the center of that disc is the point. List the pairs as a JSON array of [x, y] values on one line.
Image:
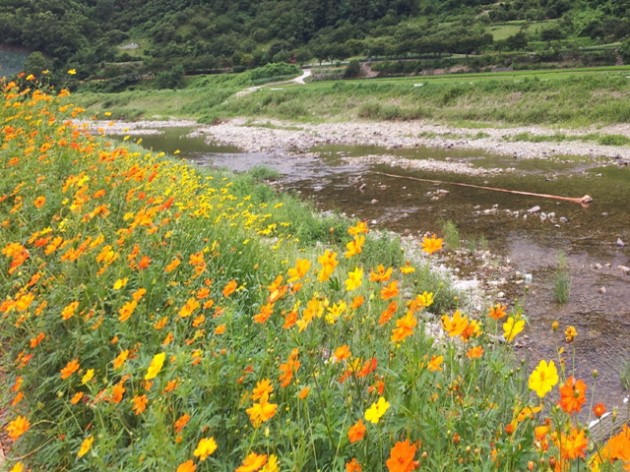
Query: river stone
[[624, 269], [620, 243], [602, 290], [534, 209]]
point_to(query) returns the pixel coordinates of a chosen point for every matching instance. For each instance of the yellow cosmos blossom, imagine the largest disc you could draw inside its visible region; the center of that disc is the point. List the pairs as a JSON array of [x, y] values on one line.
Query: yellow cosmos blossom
[[431, 244], [355, 247], [86, 445], [512, 327], [189, 307], [18, 467], [205, 448], [87, 376], [156, 366], [355, 279], [72, 72], [376, 410], [329, 262], [120, 283], [18, 427], [301, 268], [435, 364], [543, 378], [262, 411], [252, 463], [404, 327], [360, 228]]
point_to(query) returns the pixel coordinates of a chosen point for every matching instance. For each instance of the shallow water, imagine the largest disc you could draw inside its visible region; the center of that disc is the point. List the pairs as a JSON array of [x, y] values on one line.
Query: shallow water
[[587, 238]]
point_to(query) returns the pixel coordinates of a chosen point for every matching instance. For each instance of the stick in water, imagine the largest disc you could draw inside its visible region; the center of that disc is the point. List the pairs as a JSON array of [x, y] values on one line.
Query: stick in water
[[584, 201]]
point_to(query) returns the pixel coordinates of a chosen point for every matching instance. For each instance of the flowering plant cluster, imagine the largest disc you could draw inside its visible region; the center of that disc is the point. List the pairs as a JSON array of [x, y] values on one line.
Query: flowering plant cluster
[[155, 317]]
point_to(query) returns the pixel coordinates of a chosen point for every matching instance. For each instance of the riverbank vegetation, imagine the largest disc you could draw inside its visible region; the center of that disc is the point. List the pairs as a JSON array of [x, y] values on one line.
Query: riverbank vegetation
[[156, 317], [566, 98]]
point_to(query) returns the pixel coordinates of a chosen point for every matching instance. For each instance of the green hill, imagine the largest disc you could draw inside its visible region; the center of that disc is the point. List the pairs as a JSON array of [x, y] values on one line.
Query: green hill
[[135, 39]]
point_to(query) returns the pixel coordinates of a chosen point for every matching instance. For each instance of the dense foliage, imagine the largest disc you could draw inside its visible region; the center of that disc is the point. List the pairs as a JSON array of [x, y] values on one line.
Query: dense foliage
[[136, 39], [157, 318]]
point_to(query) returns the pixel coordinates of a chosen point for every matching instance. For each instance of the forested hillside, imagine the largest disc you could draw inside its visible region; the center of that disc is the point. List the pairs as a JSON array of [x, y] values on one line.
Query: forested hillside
[[110, 38]]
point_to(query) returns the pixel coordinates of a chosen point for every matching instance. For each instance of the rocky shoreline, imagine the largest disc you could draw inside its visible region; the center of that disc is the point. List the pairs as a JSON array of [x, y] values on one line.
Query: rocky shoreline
[[275, 136]]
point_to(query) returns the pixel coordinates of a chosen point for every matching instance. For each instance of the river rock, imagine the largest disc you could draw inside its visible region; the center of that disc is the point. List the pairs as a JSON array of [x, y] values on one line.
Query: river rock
[[620, 243], [624, 269], [597, 266], [602, 290], [534, 209]]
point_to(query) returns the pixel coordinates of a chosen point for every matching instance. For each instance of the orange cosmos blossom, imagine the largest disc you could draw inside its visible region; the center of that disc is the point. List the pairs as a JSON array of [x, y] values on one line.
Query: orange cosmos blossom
[[380, 274], [18, 427], [475, 352], [304, 393], [354, 466], [263, 387], [404, 327], [70, 368], [264, 314], [401, 457], [289, 368], [435, 364], [39, 201], [188, 466], [572, 395], [497, 312], [356, 432], [455, 325], [181, 422], [140, 403], [573, 445], [389, 291], [252, 463], [599, 409], [229, 288], [341, 353]]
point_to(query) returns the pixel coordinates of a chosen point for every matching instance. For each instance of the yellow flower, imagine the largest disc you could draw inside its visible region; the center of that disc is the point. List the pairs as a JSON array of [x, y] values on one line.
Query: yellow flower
[[328, 261], [18, 427], [543, 378], [156, 366], [271, 465], [86, 445], [432, 244], [72, 72], [512, 327], [87, 376], [355, 246], [435, 364], [120, 283], [205, 448], [354, 280], [299, 271], [376, 410], [19, 467]]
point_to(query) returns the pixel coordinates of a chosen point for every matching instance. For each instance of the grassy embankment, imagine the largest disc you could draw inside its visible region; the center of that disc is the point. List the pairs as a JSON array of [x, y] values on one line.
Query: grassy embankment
[[567, 98], [158, 318]]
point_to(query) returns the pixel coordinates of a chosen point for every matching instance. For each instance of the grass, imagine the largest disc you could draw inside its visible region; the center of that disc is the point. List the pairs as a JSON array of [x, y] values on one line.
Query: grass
[[603, 139], [624, 375], [567, 98], [562, 279]]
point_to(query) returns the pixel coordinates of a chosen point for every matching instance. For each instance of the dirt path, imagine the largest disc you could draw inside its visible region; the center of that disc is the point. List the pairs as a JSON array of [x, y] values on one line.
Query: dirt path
[[298, 80]]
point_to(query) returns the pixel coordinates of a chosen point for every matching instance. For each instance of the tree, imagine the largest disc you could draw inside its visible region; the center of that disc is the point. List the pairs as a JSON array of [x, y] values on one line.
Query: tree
[[36, 63]]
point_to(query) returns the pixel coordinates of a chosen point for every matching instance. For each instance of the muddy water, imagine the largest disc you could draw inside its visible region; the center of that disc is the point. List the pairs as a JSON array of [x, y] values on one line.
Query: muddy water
[[599, 303]]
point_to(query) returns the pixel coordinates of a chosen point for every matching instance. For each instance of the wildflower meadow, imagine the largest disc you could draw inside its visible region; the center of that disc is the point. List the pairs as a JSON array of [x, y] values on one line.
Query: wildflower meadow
[[156, 317]]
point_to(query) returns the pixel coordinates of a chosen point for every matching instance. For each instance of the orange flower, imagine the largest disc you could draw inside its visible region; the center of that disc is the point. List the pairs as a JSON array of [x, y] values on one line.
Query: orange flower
[[353, 466], [456, 324], [252, 463], [389, 291], [401, 458], [572, 395], [70, 368], [18, 427], [356, 431], [175, 262], [188, 466], [289, 368], [39, 201], [127, 310], [381, 274], [599, 409], [497, 312], [301, 268], [341, 353], [404, 327], [220, 329], [69, 311], [387, 314], [573, 445], [264, 314], [435, 364], [189, 307], [229, 288], [181, 422], [262, 387], [475, 352], [304, 393], [139, 404], [121, 359]]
